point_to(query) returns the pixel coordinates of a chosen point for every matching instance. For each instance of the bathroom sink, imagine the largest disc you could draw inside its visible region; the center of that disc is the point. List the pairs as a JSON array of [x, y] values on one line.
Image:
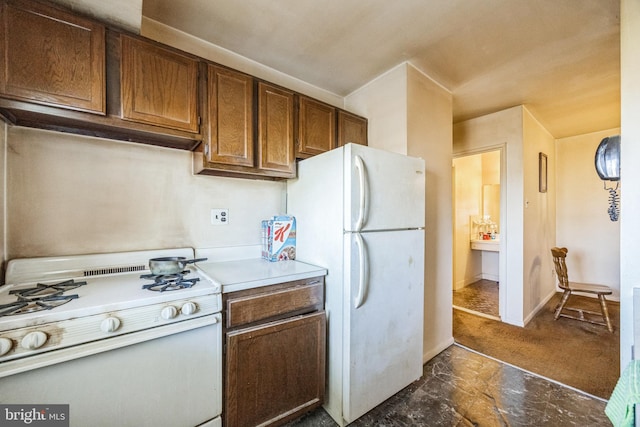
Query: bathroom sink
[[486, 245]]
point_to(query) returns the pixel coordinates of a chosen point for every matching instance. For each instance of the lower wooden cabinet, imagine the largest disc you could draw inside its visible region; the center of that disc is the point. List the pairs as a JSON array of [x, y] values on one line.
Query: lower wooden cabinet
[[275, 372], [275, 353]]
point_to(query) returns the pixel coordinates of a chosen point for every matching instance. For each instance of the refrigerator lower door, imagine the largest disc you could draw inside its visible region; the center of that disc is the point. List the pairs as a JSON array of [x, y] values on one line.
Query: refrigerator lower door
[[383, 317]]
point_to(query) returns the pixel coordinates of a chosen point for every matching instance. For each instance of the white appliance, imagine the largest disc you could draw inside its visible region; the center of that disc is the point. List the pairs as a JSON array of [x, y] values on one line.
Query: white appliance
[[360, 213], [120, 349]]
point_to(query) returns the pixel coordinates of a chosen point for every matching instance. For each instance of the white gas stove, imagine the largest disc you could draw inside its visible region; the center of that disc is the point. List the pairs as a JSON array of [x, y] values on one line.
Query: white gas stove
[[59, 309]]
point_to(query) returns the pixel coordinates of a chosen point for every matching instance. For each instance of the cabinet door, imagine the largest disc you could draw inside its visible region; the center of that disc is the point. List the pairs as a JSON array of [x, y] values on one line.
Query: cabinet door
[[275, 372], [159, 85], [230, 96], [51, 57], [275, 130], [351, 128], [316, 127]]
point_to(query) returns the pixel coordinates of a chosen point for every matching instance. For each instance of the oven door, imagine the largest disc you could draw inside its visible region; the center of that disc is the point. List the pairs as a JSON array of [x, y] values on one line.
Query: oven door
[[170, 380]]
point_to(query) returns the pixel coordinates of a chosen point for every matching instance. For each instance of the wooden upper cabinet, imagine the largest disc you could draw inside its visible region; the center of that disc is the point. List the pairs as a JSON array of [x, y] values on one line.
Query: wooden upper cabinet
[[351, 128], [230, 119], [51, 57], [316, 130], [159, 85], [275, 130]]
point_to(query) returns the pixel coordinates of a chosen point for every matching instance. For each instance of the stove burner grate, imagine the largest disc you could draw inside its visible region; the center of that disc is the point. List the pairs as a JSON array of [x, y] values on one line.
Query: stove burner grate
[[41, 297], [168, 282]]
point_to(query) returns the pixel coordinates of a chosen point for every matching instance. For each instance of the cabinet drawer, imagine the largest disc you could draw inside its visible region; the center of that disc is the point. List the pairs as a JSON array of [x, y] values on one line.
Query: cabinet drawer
[[268, 305]]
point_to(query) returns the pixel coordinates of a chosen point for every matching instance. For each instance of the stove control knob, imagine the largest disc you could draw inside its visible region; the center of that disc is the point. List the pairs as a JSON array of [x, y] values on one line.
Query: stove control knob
[[169, 312], [189, 308], [34, 340], [110, 324], [5, 345]]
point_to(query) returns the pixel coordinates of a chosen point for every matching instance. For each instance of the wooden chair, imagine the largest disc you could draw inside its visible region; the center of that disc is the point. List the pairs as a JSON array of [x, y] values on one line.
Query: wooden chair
[[559, 256]]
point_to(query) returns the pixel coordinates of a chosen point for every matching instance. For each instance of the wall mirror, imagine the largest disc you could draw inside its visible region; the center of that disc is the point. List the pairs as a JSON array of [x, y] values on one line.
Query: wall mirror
[[491, 203]]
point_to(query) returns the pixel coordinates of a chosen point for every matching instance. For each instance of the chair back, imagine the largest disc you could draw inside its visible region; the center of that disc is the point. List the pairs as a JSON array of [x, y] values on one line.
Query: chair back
[[559, 256]]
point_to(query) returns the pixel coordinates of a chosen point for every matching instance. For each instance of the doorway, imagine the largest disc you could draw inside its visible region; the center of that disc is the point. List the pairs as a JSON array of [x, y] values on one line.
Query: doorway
[[478, 214]]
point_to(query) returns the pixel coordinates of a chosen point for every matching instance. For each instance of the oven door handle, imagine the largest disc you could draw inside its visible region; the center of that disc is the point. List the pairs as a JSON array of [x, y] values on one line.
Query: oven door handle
[[11, 367]]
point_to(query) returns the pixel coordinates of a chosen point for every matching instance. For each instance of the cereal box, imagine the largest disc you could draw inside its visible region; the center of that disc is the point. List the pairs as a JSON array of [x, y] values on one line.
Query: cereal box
[[279, 238]]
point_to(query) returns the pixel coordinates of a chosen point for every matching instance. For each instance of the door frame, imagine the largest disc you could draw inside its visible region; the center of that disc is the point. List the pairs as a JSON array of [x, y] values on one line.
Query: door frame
[[503, 289]]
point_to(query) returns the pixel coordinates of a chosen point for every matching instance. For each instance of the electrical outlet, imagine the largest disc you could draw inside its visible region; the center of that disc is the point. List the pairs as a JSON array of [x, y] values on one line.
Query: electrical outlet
[[219, 216]]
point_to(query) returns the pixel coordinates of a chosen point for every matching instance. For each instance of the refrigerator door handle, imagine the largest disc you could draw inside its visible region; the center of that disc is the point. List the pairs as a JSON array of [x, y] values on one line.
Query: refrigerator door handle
[[362, 181], [362, 269]]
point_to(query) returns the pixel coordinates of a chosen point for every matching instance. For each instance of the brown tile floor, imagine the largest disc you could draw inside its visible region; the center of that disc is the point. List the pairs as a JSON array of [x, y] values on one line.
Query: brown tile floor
[[480, 296], [463, 388]]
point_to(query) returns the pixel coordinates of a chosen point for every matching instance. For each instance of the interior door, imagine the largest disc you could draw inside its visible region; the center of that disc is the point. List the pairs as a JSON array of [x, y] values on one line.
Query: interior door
[[383, 190], [383, 336]]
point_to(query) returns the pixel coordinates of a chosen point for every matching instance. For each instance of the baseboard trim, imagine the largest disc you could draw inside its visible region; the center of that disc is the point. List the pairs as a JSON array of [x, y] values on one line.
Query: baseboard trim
[[539, 307], [477, 313], [433, 352]]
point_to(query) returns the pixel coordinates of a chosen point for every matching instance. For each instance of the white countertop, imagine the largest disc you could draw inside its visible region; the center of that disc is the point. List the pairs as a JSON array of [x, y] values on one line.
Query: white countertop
[[486, 245], [255, 272]]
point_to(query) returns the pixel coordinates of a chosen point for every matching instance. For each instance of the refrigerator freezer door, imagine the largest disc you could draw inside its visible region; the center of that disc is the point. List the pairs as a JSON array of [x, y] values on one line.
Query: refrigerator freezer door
[[383, 190], [383, 336]]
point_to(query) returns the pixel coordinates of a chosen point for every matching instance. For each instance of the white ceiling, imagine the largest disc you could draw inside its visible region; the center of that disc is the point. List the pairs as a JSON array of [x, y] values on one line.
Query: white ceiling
[[559, 57]]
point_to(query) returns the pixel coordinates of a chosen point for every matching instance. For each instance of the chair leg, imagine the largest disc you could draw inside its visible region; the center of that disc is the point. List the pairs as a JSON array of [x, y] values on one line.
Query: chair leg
[[605, 312], [562, 303]]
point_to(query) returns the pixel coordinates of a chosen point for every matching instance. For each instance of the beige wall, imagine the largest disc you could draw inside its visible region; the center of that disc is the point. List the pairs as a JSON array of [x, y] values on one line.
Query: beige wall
[[503, 130], [491, 167], [410, 114], [539, 217], [630, 173], [73, 194], [532, 218], [467, 200], [188, 43], [429, 125], [582, 222], [125, 14], [384, 102]]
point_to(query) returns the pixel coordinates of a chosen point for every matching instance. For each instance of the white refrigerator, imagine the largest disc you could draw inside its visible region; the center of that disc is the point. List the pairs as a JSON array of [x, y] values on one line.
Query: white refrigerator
[[360, 213]]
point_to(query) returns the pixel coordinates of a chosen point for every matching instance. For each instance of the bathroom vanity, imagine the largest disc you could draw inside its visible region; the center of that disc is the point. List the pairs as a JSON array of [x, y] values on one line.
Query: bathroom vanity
[[486, 245]]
